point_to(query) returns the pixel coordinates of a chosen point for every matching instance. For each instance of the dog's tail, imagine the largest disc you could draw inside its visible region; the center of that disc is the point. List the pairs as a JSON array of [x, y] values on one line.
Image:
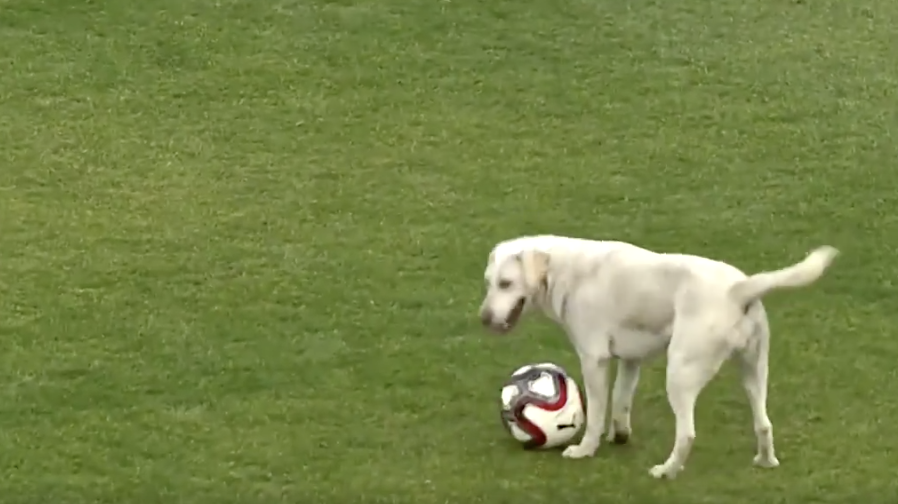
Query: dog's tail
[[798, 275]]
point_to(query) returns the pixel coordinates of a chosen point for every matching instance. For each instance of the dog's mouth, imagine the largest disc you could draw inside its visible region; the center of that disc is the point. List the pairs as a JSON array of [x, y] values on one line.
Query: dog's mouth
[[512, 320]]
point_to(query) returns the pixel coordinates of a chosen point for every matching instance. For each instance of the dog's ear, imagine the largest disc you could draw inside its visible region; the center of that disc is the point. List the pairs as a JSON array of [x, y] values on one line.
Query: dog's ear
[[536, 266]]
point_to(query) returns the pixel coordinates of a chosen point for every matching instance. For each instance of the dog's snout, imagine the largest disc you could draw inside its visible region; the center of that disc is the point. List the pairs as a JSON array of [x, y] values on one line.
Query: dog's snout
[[486, 317]]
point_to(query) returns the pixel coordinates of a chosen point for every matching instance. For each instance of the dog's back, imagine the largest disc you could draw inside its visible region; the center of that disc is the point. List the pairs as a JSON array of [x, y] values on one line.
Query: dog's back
[[706, 268]]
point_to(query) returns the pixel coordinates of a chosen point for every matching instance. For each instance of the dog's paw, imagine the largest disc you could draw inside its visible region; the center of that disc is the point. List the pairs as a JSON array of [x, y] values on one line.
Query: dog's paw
[[578, 451], [618, 437], [619, 431], [663, 471], [768, 462]]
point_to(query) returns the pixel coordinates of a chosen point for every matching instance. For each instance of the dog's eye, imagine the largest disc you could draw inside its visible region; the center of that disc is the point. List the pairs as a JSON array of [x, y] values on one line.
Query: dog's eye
[[504, 284]]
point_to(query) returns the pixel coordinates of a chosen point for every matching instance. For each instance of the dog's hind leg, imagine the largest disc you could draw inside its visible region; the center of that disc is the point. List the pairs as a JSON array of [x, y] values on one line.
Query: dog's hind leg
[[688, 372], [753, 361], [622, 400]]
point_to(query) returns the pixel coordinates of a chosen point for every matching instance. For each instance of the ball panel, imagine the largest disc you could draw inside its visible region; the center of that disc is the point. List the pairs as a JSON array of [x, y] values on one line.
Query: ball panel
[[575, 400], [519, 434], [543, 385], [509, 394]]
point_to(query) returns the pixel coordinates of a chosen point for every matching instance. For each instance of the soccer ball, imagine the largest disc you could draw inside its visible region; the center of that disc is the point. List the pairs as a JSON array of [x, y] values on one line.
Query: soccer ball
[[541, 406]]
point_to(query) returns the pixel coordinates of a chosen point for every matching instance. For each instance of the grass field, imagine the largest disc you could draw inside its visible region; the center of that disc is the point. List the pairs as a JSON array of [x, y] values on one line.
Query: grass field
[[241, 242]]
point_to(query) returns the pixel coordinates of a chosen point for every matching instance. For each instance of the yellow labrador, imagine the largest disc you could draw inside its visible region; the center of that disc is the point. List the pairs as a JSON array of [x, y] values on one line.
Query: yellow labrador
[[619, 301]]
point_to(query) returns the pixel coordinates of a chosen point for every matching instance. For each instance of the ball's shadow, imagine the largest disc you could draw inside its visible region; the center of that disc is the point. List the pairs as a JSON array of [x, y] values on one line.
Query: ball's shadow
[[620, 441]]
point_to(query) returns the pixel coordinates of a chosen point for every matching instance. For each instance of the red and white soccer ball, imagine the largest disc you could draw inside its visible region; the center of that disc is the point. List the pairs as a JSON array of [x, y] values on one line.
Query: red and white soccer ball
[[541, 406]]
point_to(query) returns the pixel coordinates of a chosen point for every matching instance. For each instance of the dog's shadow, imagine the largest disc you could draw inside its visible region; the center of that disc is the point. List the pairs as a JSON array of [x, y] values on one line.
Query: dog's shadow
[[618, 446]]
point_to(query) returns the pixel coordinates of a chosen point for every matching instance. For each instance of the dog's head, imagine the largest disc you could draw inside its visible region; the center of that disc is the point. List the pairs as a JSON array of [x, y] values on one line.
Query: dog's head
[[512, 282]]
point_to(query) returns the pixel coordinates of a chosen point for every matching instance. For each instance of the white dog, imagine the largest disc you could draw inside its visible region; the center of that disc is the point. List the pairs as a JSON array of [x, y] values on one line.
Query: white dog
[[617, 300]]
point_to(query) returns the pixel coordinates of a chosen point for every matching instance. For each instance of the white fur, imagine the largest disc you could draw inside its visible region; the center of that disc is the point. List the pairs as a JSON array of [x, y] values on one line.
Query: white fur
[[619, 301]]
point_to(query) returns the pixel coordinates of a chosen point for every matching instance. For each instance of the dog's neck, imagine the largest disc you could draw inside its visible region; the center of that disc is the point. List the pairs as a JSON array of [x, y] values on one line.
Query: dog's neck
[[553, 295]]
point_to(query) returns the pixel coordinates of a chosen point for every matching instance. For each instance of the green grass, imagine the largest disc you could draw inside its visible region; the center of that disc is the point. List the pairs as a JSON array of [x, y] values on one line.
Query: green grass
[[241, 242]]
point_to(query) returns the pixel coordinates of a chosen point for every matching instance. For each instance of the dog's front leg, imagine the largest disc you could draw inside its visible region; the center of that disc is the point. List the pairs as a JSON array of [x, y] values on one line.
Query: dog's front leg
[[595, 378], [622, 400]]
